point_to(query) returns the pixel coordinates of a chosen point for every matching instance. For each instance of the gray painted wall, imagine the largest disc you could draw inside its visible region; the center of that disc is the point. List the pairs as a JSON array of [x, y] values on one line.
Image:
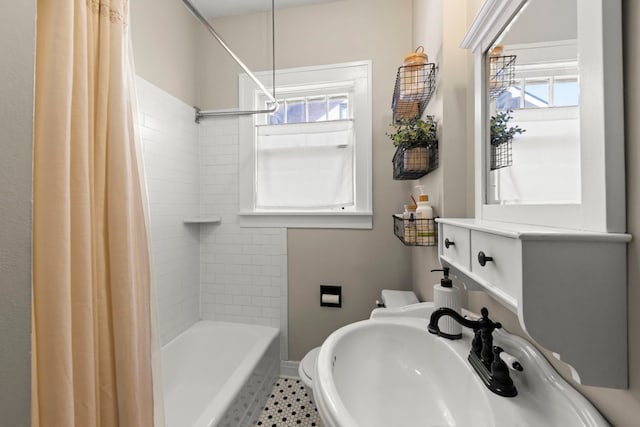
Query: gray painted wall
[[449, 187], [165, 46], [17, 48], [362, 261]]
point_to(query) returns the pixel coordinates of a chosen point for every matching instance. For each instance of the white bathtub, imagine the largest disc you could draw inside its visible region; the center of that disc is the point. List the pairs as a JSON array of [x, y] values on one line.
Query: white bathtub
[[219, 374]]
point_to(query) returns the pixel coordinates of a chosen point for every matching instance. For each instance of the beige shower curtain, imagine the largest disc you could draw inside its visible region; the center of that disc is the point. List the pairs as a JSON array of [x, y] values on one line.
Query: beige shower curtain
[[92, 330]]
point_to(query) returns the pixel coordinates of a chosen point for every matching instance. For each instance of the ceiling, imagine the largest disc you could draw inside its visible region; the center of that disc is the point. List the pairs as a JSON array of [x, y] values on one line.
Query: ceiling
[[219, 8]]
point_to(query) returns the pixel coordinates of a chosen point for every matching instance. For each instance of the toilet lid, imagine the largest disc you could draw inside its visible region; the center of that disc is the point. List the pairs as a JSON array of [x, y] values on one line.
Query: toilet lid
[[309, 362]]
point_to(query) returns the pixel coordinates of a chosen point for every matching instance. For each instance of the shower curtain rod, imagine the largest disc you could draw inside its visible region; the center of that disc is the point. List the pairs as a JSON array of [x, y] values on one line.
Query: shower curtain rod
[[271, 97]]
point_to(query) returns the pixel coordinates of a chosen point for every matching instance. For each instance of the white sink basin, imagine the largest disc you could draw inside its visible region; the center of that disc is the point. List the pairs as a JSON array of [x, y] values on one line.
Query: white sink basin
[[390, 371]]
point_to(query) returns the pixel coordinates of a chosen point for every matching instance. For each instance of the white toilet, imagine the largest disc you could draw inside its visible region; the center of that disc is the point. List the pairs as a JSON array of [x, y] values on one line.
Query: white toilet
[[306, 369], [390, 298]]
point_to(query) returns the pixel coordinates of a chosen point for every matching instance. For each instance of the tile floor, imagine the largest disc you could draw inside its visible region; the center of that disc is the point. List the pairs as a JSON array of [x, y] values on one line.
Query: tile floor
[[289, 406]]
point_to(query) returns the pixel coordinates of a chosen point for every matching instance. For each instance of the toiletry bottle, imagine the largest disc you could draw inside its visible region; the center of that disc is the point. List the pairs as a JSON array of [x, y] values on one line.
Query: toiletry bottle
[[409, 220], [447, 295], [425, 226]]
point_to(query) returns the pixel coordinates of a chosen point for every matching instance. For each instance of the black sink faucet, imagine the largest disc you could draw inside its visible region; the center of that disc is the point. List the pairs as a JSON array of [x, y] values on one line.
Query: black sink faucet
[[484, 357]]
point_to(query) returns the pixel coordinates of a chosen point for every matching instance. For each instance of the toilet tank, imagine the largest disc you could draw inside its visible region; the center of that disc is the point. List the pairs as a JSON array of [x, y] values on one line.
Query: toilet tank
[[402, 303]]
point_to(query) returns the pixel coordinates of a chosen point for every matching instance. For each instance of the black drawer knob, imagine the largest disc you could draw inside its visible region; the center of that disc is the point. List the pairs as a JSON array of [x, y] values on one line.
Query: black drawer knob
[[483, 259], [448, 243]]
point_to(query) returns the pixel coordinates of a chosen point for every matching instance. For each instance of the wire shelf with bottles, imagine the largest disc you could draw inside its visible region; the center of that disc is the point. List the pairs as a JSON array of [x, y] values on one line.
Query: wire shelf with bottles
[[501, 74], [415, 231], [414, 87]]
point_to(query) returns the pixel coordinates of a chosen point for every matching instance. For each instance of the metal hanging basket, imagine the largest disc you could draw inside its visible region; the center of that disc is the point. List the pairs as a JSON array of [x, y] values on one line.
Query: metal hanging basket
[[501, 155], [501, 74], [416, 162]]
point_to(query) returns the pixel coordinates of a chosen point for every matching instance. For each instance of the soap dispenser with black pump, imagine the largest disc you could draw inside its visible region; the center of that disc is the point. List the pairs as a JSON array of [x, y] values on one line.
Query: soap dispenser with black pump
[[447, 295]]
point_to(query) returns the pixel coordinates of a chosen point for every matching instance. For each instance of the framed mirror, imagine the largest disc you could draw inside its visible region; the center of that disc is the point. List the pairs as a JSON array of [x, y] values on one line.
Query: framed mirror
[[533, 96], [548, 121]]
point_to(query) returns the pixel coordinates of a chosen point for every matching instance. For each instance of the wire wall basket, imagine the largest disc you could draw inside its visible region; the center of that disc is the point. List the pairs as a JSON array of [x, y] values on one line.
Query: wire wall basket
[[415, 232], [416, 162], [501, 155], [415, 85], [501, 74]]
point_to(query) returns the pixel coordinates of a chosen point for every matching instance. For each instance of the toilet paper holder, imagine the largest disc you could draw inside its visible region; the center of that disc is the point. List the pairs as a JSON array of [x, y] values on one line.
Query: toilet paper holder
[[330, 296]]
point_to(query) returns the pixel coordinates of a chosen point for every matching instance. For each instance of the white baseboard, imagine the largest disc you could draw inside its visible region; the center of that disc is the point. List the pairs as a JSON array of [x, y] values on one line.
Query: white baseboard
[[289, 368]]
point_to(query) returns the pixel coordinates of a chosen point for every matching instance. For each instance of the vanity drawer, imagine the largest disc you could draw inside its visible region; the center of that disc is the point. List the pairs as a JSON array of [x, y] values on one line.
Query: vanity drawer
[[502, 267], [454, 245]]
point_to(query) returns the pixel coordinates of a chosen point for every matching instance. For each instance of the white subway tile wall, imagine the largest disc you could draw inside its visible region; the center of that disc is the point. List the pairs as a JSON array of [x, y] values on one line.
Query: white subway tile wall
[[243, 270], [209, 271], [171, 159]]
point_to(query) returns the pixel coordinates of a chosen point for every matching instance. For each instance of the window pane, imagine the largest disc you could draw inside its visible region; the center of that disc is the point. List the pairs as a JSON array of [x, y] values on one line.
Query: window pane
[[566, 92], [509, 99], [338, 107], [295, 111], [536, 94], [305, 168], [317, 109], [277, 117]]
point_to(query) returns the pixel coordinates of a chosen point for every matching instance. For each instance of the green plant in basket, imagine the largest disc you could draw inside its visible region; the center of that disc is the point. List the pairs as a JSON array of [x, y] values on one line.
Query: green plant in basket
[[501, 132], [414, 133]]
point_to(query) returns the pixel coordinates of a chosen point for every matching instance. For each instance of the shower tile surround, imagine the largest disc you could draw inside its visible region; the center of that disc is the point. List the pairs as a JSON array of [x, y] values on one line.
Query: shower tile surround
[[170, 150], [209, 271], [243, 270]]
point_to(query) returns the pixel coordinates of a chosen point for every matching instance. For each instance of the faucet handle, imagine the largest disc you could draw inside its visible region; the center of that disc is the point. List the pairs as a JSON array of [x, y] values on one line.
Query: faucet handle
[[486, 323], [501, 382], [486, 327], [512, 362], [499, 369]]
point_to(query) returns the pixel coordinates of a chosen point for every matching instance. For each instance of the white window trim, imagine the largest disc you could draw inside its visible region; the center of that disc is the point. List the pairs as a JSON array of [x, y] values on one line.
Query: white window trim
[[333, 75]]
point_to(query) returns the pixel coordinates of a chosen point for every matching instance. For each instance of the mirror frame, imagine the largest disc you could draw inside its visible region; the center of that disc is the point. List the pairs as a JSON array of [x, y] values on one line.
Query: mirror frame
[[603, 203]]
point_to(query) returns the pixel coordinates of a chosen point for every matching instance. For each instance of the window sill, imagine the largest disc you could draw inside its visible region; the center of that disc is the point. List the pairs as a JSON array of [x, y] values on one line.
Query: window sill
[[354, 220]]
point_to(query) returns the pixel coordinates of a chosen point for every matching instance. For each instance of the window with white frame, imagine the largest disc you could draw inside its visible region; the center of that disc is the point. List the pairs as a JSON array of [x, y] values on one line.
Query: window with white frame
[[308, 164], [546, 76], [540, 92]]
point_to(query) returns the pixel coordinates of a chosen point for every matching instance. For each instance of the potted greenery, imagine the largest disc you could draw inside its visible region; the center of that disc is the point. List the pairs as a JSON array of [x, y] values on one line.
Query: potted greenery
[[501, 138], [501, 132], [413, 138]]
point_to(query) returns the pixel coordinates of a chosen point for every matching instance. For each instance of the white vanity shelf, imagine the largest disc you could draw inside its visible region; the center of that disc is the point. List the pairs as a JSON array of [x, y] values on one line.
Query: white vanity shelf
[[566, 276], [568, 287], [202, 220]]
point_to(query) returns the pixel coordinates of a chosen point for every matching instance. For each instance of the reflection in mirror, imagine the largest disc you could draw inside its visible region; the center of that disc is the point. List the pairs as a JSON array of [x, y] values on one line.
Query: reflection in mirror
[[533, 107]]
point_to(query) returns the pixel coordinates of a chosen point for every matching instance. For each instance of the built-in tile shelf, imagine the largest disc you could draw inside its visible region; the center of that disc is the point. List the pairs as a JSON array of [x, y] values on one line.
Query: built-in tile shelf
[[202, 220]]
